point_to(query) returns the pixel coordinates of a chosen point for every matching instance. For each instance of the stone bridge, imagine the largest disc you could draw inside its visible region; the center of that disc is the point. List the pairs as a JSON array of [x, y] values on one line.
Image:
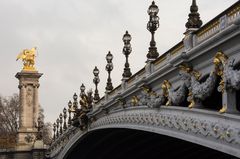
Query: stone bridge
[[186, 101]]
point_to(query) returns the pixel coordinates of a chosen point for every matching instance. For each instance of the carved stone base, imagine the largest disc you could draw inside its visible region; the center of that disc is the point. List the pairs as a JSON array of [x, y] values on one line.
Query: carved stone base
[[26, 136]]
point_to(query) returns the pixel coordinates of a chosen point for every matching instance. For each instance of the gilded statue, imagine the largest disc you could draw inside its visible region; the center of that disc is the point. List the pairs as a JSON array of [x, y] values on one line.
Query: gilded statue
[[28, 58]]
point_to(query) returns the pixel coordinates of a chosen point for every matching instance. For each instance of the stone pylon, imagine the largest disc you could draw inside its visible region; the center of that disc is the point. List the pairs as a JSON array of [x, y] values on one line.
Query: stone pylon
[[29, 107]]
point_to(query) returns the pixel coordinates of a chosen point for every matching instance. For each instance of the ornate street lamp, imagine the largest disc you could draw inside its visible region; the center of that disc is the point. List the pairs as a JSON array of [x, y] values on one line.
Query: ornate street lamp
[[61, 121], [54, 130], [65, 118], [57, 121], [152, 26], [127, 49], [82, 89], [82, 95], [75, 102], [69, 112], [96, 80], [109, 68]]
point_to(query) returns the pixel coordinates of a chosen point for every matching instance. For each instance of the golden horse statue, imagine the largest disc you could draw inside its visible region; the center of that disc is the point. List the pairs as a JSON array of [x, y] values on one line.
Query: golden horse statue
[[28, 58]]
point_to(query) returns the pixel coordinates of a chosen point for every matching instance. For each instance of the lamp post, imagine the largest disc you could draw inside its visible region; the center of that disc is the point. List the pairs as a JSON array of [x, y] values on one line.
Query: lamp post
[[57, 121], [152, 26], [61, 121], [109, 68], [69, 112], [82, 97], [96, 80], [75, 102], [127, 49], [82, 89], [54, 130], [73, 108], [64, 119]]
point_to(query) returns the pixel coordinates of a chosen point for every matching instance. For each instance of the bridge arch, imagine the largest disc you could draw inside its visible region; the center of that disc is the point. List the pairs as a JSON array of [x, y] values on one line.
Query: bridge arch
[[166, 127], [130, 143]]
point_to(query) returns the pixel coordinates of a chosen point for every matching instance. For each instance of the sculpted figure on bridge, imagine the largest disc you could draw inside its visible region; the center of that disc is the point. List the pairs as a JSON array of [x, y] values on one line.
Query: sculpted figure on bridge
[[150, 98], [86, 100], [79, 118], [73, 108], [198, 91], [175, 96], [230, 78]]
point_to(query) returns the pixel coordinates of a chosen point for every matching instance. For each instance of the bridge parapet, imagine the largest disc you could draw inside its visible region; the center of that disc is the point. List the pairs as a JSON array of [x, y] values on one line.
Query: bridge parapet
[[218, 24], [180, 53]]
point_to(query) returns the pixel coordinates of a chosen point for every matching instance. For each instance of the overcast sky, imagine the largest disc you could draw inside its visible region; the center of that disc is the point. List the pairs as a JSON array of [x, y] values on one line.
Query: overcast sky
[[73, 36]]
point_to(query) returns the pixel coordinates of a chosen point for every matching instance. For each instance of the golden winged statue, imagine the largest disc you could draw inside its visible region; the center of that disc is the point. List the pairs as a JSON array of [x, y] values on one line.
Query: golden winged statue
[[28, 58]]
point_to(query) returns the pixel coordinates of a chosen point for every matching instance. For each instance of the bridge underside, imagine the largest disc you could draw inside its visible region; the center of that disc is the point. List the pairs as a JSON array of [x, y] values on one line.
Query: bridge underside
[[135, 144]]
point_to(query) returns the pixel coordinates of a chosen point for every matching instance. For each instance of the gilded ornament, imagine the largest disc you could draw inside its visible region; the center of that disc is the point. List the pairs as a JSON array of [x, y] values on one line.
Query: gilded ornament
[[190, 70], [223, 109], [220, 61], [72, 110], [165, 87], [149, 91], [83, 100], [192, 103], [134, 101]]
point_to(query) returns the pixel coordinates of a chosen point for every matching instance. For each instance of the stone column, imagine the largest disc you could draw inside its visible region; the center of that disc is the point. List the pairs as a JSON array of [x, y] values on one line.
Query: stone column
[[36, 103], [229, 100], [28, 94], [189, 40], [149, 68]]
